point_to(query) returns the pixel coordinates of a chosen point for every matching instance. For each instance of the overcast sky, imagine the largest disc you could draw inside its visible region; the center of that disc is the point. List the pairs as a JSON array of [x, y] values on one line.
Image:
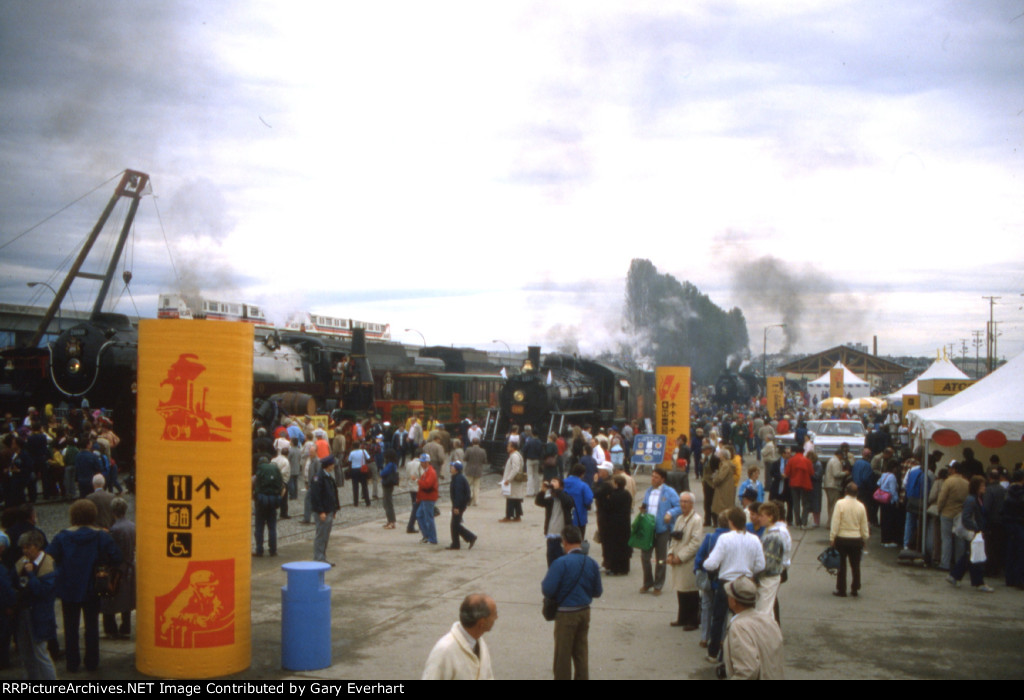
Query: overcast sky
[[483, 171]]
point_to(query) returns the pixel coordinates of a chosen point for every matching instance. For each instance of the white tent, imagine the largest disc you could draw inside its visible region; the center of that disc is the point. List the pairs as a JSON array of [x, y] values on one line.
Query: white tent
[[940, 369], [852, 384], [987, 416]]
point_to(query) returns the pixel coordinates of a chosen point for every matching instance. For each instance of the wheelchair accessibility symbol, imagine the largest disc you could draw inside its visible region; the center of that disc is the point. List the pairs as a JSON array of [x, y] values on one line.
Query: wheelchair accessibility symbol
[[179, 545]]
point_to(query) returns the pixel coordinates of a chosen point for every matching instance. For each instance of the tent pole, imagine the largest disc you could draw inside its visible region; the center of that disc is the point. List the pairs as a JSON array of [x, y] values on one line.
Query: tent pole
[[925, 491]]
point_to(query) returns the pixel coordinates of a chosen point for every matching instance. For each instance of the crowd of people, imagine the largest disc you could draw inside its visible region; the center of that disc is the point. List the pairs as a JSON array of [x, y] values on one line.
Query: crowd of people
[[725, 562], [89, 566]]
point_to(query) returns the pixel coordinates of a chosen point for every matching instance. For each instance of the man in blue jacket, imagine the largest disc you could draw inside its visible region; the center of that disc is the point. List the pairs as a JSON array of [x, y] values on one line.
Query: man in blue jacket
[[662, 502], [573, 580], [582, 497]]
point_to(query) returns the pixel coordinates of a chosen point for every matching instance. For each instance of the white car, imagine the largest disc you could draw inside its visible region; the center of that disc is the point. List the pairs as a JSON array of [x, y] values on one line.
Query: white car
[[828, 435]]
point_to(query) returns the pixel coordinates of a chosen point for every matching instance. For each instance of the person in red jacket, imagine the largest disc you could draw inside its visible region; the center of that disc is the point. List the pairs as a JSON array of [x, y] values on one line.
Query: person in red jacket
[[799, 470], [426, 498]]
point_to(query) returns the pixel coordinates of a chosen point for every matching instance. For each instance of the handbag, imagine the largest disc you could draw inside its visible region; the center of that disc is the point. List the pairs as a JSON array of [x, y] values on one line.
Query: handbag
[[830, 559], [883, 497], [105, 578]]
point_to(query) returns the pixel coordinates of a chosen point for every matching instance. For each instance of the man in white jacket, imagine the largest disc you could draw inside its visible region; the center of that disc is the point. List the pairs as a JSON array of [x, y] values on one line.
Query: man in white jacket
[[462, 653]]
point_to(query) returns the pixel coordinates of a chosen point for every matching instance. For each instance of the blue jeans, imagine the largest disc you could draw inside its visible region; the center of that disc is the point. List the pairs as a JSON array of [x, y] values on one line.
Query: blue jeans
[[425, 517], [952, 546], [38, 664]]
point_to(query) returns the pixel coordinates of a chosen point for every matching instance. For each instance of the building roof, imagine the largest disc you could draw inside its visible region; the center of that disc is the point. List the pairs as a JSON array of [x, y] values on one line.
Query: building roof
[[856, 361]]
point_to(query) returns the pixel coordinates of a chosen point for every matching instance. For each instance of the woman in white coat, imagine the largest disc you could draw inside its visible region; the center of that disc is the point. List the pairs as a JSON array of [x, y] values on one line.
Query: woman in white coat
[[513, 485]]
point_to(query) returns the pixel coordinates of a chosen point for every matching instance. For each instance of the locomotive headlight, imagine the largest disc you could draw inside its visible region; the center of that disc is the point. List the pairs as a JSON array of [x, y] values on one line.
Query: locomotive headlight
[[74, 366], [518, 395]]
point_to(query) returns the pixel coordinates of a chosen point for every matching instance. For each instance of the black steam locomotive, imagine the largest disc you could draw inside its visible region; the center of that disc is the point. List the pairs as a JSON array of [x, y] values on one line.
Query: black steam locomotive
[[737, 387], [564, 390]]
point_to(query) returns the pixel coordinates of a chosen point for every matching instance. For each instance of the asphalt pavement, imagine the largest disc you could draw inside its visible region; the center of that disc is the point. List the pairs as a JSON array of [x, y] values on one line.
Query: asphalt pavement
[[392, 598]]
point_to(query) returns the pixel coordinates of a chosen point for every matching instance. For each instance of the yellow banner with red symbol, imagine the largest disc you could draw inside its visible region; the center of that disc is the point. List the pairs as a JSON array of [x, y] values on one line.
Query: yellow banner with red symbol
[[672, 412]]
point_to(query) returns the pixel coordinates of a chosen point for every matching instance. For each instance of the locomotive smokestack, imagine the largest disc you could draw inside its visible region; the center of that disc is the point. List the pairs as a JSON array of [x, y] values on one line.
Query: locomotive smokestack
[[533, 357], [359, 355], [358, 342]]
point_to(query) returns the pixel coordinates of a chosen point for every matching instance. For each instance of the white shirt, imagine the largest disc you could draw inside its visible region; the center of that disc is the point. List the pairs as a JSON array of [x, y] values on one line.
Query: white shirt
[[736, 554]]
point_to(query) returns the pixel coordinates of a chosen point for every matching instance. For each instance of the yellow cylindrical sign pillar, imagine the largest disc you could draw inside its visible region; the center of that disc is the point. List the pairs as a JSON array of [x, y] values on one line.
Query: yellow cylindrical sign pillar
[[193, 507]]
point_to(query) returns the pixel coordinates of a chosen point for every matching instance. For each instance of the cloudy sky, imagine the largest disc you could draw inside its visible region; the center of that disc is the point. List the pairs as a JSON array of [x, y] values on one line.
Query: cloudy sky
[[481, 171]]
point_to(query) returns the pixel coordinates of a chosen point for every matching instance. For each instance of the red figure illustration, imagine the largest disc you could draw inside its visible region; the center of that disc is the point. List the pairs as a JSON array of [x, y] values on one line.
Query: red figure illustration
[[184, 418], [199, 611]]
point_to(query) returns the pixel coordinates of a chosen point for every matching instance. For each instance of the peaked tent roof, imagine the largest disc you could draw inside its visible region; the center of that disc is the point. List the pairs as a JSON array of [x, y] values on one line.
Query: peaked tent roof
[[992, 404], [849, 378], [940, 369]]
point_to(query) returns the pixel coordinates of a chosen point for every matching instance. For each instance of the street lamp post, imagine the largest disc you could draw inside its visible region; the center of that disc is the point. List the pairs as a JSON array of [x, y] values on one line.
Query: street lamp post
[[60, 313], [413, 330], [507, 348]]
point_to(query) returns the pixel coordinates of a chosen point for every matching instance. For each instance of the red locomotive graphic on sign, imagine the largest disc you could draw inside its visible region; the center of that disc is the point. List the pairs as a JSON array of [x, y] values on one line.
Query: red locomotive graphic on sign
[[184, 417]]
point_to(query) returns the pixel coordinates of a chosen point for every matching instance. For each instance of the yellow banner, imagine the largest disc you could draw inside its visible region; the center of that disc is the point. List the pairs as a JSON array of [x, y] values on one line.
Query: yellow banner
[[776, 395], [911, 402], [673, 406], [943, 387], [835, 383], [193, 499]]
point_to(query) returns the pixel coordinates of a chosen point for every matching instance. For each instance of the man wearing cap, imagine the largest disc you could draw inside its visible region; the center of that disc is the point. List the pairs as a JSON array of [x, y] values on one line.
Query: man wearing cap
[[426, 499], [753, 644], [460, 494], [325, 505]]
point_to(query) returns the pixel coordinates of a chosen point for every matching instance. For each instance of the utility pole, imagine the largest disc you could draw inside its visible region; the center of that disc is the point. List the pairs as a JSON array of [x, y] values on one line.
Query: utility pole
[[977, 348], [990, 339], [963, 351], [995, 343]]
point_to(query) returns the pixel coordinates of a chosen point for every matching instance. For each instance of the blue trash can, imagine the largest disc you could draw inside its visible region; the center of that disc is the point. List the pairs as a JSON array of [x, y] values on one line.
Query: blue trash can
[[305, 617]]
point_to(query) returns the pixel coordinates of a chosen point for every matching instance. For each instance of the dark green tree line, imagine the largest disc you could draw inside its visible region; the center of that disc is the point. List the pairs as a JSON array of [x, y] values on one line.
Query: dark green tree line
[[673, 323]]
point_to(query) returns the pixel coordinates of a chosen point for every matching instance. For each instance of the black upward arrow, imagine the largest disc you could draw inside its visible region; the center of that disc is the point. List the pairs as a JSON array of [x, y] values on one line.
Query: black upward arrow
[[207, 485], [207, 512]]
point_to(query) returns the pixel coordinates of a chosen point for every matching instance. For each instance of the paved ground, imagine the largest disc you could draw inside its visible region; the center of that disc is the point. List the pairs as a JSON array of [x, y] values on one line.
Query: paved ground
[[393, 598]]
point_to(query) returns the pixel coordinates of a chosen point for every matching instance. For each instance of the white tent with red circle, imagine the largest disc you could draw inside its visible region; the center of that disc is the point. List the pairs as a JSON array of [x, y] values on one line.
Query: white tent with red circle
[[987, 416]]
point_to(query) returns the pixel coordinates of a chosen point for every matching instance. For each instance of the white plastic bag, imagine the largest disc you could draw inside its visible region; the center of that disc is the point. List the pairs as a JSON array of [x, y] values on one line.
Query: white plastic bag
[[978, 549]]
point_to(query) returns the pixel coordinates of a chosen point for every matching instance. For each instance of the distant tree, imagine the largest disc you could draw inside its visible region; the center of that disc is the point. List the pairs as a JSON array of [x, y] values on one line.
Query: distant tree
[[673, 323]]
